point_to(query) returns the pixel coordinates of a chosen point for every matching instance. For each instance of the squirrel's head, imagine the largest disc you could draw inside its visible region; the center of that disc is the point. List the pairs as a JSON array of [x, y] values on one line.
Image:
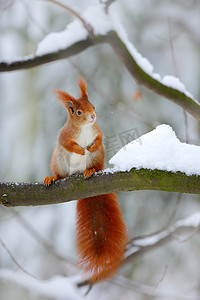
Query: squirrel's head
[[80, 110]]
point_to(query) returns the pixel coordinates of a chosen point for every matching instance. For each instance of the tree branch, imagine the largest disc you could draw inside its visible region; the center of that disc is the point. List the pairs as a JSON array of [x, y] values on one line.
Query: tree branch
[[77, 187], [34, 61], [181, 99], [139, 246]]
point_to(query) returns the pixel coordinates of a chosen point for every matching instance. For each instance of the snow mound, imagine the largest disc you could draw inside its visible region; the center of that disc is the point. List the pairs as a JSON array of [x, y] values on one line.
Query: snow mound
[[159, 149]]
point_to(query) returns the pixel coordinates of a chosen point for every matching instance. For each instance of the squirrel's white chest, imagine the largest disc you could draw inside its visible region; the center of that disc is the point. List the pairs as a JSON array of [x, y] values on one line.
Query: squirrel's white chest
[[86, 136], [70, 162]]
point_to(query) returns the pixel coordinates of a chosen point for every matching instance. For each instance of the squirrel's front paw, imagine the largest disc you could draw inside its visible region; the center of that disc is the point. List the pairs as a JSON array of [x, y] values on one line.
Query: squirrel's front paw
[[91, 148], [82, 151]]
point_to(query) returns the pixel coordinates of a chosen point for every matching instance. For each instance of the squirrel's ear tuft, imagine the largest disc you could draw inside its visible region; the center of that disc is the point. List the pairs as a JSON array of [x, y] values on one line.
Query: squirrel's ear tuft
[[64, 98], [83, 87]]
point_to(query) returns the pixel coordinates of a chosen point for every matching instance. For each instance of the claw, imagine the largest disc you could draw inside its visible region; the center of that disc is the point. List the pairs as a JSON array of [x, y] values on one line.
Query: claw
[[88, 172], [49, 179]]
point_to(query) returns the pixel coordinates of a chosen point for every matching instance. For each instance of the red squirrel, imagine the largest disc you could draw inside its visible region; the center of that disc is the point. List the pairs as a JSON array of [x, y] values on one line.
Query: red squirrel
[[101, 231]]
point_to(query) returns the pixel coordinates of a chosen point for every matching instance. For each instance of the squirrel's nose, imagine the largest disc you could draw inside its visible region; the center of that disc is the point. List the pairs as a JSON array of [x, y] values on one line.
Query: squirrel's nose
[[92, 117]]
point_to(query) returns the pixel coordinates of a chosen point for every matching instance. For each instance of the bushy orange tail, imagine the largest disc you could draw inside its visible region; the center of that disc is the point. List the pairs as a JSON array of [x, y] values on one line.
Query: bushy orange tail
[[101, 236]]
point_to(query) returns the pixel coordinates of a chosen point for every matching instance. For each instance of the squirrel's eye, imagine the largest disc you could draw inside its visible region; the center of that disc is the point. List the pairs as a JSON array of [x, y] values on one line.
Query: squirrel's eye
[[79, 112], [94, 107]]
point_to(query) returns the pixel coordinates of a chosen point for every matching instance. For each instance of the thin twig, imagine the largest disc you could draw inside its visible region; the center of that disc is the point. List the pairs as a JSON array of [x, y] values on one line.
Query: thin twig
[[42, 241], [74, 13], [107, 4], [14, 260], [140, 246], [165, 227], [177, 73], [159, 282], [146, 290]]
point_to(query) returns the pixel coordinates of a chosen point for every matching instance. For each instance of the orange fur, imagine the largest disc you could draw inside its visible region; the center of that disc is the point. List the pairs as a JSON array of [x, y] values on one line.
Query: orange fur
[[101, 236], [89, 172], [96, 144], [83, 87], [63, 97], [72, 146], [101, 232]]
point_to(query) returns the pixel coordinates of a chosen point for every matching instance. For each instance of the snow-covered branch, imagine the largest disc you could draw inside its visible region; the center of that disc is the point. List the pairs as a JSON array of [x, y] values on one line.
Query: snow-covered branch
[[36, 60], [106, 28], [169, 87], [177, 231]]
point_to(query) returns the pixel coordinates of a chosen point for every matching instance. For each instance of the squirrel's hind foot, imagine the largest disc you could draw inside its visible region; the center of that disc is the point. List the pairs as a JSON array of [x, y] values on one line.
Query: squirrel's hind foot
[[49, 179], [88, 172]]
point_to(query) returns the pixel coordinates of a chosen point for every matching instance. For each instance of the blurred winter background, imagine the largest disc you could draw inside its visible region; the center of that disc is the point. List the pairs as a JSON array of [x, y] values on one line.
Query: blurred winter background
[[42, 239]]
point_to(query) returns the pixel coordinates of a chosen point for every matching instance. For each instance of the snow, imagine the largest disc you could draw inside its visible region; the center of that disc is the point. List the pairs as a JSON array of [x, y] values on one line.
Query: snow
[[60, 40], [75, 31], [191, 221], [58, 287], [159, 149], [101, 24], [97, 18], [118, 27], [143, 62], [175, 82]]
